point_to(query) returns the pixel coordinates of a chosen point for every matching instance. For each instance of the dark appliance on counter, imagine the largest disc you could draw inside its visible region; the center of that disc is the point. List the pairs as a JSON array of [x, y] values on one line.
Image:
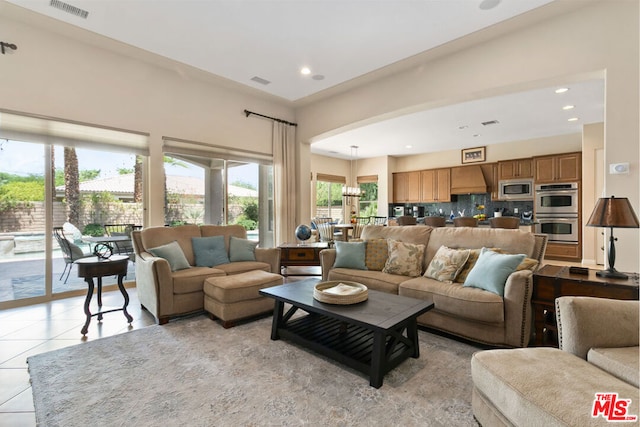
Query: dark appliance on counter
[[556, 208], [418, 211]]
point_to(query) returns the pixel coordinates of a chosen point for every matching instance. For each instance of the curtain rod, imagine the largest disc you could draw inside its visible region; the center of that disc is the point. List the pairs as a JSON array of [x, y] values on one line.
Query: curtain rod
[[248, 113]]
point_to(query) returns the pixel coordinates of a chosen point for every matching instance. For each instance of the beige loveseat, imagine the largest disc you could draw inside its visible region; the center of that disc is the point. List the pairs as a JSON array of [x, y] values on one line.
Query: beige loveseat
[[468, 312], [558, 387], [165, 293]]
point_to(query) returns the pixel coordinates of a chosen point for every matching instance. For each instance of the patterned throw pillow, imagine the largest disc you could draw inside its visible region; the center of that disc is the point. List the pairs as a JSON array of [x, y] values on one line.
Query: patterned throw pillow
[[446, 264], [377, 252], [405, 259]]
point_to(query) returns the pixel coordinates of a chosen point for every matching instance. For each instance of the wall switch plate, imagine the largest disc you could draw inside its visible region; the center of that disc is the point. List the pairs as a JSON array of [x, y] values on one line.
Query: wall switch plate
[[618, 168]]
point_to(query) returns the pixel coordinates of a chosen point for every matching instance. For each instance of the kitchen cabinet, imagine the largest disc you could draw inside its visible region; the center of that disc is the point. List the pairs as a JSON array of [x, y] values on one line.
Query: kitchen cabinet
[[435, 185], [515, 169], [406, 187], [558, 168], [490, 172], [564, 251]]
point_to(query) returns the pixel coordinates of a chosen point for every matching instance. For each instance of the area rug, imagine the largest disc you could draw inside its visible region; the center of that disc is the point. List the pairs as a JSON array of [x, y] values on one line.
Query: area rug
[[195, 373]]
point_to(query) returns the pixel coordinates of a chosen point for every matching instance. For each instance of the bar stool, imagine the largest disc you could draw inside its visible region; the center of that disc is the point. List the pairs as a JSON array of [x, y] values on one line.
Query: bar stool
[[465, 221], [407, 220], [511, 222], [435, 221]]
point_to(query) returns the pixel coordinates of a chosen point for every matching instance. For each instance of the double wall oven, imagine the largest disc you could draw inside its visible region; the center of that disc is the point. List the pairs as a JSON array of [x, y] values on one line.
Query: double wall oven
[[557, 208]]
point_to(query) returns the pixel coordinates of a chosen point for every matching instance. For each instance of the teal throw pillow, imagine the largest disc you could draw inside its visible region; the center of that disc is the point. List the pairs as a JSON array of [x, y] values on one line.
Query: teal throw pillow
[[350, 255], [492, 270], [242, 249], [209, 251], [172, 252]]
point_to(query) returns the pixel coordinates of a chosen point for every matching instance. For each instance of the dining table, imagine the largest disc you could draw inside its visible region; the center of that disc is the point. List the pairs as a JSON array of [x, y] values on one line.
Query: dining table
[[344, 229]]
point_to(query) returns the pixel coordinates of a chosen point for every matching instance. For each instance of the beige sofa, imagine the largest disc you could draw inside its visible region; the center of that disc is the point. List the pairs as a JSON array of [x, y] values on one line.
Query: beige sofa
[[471, 313], [166, 294], [558, 387]]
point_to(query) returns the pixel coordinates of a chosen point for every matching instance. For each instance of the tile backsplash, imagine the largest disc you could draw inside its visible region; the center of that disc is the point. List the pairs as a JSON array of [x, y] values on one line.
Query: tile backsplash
[[465, 205]]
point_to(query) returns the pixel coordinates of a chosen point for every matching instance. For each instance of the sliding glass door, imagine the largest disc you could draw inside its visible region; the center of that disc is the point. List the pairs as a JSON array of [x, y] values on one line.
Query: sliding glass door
[[60, 184]]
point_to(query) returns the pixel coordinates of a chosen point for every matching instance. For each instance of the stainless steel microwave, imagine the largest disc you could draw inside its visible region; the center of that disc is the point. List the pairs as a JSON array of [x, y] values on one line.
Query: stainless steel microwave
[[515, 189]]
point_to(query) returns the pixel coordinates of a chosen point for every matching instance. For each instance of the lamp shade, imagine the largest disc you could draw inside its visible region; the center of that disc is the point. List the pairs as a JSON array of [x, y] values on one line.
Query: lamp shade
[[613, 212]]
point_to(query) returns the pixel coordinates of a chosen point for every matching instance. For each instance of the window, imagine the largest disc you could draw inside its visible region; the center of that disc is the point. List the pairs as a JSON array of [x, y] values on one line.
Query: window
[[212, 185], [329, 196], [368, 204]]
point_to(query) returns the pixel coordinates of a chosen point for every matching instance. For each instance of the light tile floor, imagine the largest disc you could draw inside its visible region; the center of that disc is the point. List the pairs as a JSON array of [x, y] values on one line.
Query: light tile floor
[[35, 329]]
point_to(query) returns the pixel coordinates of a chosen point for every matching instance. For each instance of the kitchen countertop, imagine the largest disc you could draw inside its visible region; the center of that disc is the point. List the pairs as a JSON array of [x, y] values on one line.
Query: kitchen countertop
[[486, 222]]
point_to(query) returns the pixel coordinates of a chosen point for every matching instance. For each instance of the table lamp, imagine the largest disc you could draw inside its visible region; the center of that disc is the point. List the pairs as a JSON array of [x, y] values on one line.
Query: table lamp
[[613, 212]]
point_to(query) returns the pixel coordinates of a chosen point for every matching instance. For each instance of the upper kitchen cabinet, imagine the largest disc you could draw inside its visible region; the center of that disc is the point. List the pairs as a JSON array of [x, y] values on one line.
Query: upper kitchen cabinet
[[558, 168], [406, 187], [490, 172], [515, 169], [435, 185]]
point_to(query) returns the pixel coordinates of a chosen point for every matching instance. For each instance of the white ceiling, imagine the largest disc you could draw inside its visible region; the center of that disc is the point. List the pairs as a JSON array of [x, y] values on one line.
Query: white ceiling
[[340, 41]]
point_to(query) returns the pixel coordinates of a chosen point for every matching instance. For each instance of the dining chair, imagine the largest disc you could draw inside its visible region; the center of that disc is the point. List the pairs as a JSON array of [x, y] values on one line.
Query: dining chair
[[378, 220], [326, 231], [511, 222], [70, 251], [435, 221], [465, 221], [407, 220], [361, 221]]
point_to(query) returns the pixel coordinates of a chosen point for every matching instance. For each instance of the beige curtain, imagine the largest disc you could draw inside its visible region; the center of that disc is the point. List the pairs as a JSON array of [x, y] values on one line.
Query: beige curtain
[[285, 189]]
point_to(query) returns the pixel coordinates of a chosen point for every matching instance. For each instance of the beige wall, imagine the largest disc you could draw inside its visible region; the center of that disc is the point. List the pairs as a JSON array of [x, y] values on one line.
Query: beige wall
[[593, 140], [53, 75], [600, 39]]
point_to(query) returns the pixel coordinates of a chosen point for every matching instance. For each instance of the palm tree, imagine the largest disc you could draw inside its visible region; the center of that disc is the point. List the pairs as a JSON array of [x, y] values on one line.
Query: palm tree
[[72, 185], [137, 180]]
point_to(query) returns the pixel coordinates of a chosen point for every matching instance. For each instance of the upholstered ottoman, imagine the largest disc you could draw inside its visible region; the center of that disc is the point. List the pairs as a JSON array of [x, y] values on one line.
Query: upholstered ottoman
[[234, 297]]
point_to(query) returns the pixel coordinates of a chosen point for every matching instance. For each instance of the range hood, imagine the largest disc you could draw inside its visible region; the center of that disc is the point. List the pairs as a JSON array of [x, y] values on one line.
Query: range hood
[[468, 180]]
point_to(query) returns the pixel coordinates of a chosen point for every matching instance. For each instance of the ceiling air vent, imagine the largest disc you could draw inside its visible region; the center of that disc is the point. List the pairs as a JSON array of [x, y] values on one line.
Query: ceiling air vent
[[260, 80], [490, 122], [69, 9]]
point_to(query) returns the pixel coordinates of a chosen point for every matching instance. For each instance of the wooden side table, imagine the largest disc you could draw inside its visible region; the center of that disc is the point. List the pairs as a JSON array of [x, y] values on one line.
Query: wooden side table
[[95, 267], [553, 281], [296, 255]]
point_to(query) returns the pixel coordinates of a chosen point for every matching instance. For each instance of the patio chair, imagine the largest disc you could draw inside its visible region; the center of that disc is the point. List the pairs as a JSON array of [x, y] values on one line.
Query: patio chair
[[70, 251], [125, 247]]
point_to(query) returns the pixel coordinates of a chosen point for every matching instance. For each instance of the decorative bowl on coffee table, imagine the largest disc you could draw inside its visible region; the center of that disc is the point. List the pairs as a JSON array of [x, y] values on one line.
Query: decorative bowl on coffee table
[[340, 292]]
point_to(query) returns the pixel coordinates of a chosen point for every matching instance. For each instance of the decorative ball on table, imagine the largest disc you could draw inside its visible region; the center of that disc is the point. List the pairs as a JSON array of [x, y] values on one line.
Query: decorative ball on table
[[303, 233]]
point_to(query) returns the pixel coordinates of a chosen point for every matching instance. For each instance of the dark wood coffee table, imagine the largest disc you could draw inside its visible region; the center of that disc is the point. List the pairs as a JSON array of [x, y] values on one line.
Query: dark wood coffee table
[[373, 336]]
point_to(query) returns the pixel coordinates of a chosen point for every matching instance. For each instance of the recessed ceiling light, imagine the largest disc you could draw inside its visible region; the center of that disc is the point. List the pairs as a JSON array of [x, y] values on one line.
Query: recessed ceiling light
[[562, 90], [572, 119], [476, 135], [305, 71], [408, 146], [318, 77], [488, 4], [463, 127], [568, 107]]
